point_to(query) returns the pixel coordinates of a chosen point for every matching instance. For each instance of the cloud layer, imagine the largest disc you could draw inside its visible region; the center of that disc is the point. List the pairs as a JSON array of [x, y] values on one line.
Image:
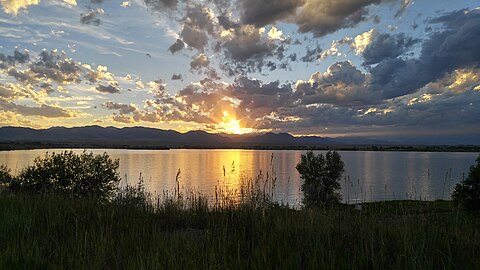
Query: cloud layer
[[367, 81]]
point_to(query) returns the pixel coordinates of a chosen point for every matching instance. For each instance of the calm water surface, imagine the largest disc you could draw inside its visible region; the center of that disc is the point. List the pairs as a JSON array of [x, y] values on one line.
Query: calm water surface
[[369, 176]]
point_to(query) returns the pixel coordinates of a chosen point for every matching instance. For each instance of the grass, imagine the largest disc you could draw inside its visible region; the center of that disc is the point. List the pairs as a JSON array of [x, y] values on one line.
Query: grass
[[49, 232]]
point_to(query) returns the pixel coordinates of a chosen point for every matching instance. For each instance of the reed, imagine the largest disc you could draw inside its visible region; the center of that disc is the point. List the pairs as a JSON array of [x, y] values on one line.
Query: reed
[[180, 231]]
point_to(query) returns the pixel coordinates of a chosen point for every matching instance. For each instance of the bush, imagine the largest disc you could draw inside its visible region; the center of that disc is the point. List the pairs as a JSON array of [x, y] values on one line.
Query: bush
[[70, 174], [5, 177], [321, 175], [133, 196], [467, 192]]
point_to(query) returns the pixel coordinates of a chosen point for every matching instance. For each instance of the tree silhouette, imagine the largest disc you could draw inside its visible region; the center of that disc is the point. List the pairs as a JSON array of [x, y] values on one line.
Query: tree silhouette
[[321, 175], [467, 192]]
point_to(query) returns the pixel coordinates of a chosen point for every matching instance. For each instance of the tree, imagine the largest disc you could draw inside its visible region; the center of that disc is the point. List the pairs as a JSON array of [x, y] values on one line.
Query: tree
[[467, 192], [321, 175], [70, 174]]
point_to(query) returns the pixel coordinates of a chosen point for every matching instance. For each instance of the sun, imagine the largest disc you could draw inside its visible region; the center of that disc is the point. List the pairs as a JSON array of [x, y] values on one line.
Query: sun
[[232, 125]]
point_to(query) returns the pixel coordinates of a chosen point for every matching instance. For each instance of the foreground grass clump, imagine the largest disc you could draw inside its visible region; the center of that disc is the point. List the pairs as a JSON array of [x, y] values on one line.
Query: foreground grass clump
[[51, 232]]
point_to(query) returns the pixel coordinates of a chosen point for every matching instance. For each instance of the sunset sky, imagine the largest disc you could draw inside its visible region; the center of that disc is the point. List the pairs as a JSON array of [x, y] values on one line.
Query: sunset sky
[[374, 68]]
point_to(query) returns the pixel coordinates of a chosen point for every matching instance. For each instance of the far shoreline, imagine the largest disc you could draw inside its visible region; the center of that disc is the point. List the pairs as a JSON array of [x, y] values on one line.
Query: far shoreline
[[12, 146]]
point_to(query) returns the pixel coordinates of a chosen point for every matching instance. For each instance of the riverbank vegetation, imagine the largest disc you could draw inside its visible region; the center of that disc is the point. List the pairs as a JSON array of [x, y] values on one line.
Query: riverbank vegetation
[[132, 230], [49, 232]]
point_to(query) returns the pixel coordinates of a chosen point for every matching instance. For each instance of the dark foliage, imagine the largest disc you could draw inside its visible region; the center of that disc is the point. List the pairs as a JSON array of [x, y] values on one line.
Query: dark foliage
[[321, 175], [5, 177], [467, 192], [71, 175]]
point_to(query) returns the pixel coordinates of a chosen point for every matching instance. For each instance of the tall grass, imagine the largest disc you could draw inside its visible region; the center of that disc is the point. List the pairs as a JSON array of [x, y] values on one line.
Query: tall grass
[[44, 232], [243, 229]]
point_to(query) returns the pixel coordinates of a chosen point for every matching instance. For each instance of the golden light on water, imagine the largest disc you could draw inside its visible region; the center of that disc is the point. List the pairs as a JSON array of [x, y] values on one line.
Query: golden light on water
[[231, 125]]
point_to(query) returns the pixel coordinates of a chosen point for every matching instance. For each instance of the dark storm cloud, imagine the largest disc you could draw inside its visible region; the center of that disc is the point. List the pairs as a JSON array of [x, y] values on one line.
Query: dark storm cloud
[[177, 46], [387, 46], [263, 12], [452, 48]]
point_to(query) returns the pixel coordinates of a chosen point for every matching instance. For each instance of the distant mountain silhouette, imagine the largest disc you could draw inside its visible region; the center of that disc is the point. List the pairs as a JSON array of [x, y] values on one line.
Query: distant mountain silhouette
[[131, 136]]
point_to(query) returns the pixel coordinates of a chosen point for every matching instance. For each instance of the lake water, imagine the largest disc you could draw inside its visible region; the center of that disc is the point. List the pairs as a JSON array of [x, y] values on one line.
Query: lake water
[[369, 176]]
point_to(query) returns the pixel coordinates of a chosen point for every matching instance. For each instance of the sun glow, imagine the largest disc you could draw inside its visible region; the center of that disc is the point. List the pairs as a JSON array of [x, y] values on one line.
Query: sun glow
[[232, 125]]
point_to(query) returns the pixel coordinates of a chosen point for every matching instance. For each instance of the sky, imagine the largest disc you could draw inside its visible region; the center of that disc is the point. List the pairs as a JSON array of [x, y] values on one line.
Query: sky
[[400, 69]]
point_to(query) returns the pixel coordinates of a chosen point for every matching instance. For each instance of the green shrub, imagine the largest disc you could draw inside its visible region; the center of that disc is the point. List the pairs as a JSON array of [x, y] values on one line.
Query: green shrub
[[70, 174], [467, 192], [321, 175]]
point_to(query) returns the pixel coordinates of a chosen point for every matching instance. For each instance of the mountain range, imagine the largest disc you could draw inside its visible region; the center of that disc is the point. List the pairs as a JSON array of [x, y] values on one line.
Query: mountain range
[[142, 136]]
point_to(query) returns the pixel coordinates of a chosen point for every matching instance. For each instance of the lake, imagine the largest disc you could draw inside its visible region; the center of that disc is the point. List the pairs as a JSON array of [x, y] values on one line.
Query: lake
[[369, 176]]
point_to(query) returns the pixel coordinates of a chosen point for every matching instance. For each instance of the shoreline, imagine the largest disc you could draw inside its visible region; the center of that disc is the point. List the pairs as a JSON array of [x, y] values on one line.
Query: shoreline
[[12, 146]]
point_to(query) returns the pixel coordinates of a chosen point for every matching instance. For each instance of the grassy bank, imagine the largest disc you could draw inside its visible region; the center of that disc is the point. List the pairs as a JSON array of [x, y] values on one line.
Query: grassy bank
[[45, 232]]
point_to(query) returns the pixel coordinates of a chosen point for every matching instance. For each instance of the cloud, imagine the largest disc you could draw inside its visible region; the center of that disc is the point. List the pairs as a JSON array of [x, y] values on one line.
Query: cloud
[[161, 5], [322, 17], [176, 77], [44, 110], [108, 89], [452, 48], [319, 17], [14, 6], [194, 37], [17, 58], [261, 12], [122, 108], [199, 62], [248, 47], [360, 43], [99, 74], [57, 67], [256, 99], [342, 85], [386, 46], [91, 17], [10, 91], [201, 17], [405, 4], [177, 46], [52, 67], [312, 55]]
